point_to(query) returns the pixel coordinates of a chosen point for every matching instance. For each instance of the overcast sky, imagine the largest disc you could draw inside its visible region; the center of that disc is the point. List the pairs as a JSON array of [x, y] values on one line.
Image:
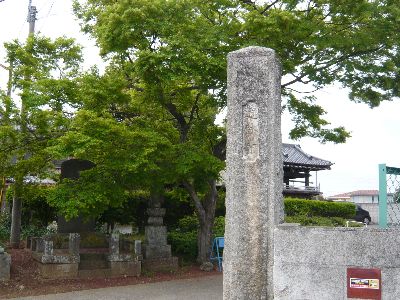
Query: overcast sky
[[374, 132]]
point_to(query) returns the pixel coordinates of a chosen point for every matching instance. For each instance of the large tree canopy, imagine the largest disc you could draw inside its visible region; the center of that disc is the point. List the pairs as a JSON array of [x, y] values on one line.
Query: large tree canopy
[[167, 80], [183, 45]]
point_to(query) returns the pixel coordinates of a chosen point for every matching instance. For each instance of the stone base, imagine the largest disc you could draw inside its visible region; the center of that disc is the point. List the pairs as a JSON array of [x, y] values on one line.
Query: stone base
[[155, 235], [5, 263], [55, 259], [58, 271], [160, 264], [157, 251]]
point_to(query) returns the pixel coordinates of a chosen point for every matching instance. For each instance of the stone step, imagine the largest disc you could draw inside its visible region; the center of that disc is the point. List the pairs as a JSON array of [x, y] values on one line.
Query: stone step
[[95, 273], [92, 261]]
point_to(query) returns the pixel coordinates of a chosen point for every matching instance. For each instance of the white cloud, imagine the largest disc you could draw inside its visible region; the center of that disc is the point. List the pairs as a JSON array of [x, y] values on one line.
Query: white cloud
[[374, 140]]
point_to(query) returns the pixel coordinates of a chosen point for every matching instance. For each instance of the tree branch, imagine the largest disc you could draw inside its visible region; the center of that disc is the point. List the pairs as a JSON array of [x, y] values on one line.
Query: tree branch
[[195, 108], [267, 7], [182, 124], [333, 62]]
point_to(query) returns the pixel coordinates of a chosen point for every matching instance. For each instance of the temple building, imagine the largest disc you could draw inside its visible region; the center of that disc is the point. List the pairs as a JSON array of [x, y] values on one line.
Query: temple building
[[298, 167]]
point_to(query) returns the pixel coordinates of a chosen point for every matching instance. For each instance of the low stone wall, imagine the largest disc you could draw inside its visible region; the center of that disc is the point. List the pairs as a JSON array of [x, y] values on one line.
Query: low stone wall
[[311, 263], [126, 268], [123, 263], [58, 271], [70, 263], [167, 264], [54, 264]]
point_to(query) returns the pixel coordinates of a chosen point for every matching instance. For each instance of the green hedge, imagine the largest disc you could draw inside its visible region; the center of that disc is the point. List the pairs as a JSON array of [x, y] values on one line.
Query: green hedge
[[315, 208]]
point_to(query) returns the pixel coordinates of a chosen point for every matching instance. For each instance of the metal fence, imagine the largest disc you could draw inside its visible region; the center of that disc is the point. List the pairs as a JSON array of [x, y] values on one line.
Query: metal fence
[[389, 196]]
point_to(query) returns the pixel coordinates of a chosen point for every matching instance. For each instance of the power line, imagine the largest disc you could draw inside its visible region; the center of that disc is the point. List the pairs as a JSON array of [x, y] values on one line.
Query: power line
[[48, 13]]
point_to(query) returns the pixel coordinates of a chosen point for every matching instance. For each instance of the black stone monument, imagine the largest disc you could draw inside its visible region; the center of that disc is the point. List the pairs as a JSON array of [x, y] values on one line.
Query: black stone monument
[[71, 169]]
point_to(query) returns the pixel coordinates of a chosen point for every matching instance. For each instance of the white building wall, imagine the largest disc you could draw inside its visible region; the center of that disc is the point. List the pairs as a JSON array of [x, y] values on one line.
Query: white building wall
[[364, 199], [373, 209]]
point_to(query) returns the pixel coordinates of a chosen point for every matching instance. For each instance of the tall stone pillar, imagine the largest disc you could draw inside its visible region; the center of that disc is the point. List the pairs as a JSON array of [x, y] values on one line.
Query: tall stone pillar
[[254, 204], [157, 251]]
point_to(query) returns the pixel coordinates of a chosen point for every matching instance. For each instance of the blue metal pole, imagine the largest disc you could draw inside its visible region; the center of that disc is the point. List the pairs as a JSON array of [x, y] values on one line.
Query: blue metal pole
[[382, 197]]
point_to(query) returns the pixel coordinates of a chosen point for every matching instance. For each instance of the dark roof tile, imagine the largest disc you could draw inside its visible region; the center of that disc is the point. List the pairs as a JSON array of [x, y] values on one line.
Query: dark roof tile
[[294, 155]]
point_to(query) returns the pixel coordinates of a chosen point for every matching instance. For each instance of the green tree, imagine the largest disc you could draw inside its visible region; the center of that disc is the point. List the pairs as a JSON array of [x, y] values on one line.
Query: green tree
[[42, 70], [136, 145], [172, 56]]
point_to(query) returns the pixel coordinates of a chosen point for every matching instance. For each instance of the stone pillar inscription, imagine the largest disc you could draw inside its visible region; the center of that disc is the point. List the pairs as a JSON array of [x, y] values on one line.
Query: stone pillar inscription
[[251, 144], [254, 204]]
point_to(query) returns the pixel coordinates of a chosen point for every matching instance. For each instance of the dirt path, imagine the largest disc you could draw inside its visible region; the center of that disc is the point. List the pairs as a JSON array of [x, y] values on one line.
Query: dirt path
[[204, 288]]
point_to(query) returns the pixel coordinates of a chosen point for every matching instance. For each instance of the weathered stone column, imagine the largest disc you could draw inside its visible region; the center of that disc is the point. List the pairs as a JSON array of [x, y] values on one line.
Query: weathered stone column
[[5, 262], [254, 204], [48, 247], [74, 243], [114, 244]]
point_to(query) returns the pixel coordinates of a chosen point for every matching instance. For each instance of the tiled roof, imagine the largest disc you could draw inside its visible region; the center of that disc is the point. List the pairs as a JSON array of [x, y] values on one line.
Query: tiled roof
[[294, 155], [344, 195], [357, 193], [365, 193]]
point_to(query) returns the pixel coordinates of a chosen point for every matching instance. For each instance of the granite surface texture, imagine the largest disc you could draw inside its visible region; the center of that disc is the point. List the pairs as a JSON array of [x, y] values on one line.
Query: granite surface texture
[[311, 262], [254, 183]]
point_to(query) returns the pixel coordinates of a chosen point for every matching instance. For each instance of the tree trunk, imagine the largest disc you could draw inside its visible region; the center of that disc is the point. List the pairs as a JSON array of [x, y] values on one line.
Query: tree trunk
[[205, 211], [15, 235], [204, 240]]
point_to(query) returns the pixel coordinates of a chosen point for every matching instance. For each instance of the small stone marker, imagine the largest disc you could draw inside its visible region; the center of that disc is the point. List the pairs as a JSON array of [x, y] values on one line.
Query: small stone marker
[[5, 262], [74, 243], [114, 244], [254, 204], [138, 247]]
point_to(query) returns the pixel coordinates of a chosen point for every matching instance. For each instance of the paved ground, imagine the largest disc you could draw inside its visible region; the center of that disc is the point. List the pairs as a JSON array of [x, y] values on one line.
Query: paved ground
[[203, 288]]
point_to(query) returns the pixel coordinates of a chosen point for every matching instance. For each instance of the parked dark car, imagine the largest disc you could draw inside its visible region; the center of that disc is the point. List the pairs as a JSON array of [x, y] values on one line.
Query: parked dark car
[[362, 215]]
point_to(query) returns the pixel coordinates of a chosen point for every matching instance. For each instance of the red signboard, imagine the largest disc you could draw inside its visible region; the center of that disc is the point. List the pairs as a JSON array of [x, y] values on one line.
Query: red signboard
[[364, 283]]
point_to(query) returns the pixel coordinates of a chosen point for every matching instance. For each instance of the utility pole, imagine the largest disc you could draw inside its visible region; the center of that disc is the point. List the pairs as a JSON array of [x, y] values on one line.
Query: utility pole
[[15, 235], [32, 11]]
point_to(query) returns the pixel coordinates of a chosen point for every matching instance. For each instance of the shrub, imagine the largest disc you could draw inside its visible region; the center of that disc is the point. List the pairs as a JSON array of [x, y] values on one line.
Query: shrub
[[5, 225], [32, 230], [219, 226], [93, 240], [183, 239], [184, 243], [4, 234], [188, 224], [26, 231], [315, 208]]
